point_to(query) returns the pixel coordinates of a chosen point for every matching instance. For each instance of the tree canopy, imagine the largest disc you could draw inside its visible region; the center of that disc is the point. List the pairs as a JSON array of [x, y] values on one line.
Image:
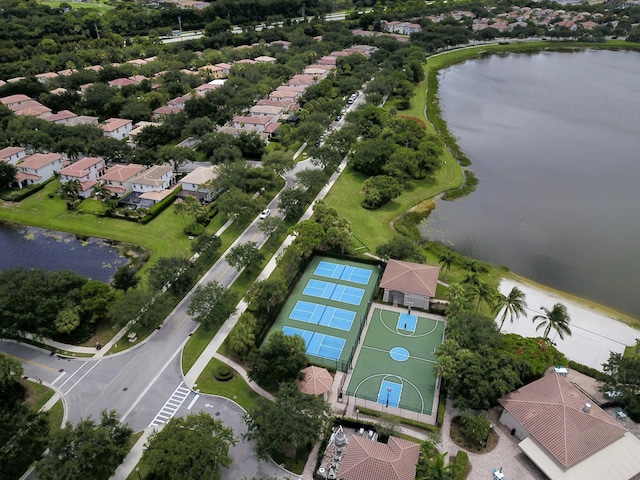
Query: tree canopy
[[293, 421], [196, 446], [212, 304], [279, 360], [86, 450]]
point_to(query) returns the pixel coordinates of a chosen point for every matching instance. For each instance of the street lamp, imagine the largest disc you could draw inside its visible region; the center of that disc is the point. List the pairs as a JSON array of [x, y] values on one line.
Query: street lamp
[[138, 472]]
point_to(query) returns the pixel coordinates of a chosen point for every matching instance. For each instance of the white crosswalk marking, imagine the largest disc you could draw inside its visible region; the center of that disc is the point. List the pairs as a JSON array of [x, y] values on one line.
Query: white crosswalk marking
[[171, 406]]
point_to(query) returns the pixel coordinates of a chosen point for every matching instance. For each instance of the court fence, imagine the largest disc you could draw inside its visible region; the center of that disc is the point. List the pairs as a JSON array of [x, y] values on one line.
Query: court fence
[[371, 403]]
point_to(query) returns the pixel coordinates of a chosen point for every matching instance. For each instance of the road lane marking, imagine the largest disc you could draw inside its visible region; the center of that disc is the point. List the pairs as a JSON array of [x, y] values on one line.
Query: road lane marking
[[224, 273], [80, 379], [175, 330], [72, 375], [58, 378], [195, 399], [171, 406], [35, 364]]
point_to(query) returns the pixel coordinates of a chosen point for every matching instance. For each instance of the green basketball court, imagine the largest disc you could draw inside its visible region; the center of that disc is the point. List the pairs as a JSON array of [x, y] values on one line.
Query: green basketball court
[[395, 366]]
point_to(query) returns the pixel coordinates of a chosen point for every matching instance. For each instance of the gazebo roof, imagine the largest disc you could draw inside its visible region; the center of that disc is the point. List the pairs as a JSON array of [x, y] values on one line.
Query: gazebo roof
[[317, 381]]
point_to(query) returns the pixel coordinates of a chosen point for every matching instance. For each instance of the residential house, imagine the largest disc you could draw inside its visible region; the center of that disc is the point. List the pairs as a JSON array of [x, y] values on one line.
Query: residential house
[[179, 101], [84, 87], [58, 91], [194, 183], [12, 155], [265, 59], [15, 100], [66, 72], [82, 120], [31, 108], [285, 96], [152, 186], [226, 67], [402, 28], [63, 117], [203, 89], [302, 80], [162, 112], [266, 111], [87, 171], [137, 128], [251, 123], [38, 168], [283, 43], [119, 177], [566, 435], [117, 128], [46, 77], [409, 284], [212, 71], [94, 68], [138, 79], [121, 82]]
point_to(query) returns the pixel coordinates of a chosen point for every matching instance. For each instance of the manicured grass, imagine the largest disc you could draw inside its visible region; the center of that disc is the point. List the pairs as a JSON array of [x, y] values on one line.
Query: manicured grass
[[163, 236], [373, 227], [37, 395], [56, 414], [236, 389], [195, 346], [89, 5]]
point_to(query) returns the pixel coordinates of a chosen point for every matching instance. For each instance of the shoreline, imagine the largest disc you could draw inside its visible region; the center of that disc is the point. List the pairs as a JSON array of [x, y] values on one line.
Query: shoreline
[[594, 333], [433, 116]]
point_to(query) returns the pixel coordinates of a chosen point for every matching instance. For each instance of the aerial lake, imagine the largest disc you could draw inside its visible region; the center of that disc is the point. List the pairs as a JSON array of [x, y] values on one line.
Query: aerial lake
[[31, 247], [555, 143]]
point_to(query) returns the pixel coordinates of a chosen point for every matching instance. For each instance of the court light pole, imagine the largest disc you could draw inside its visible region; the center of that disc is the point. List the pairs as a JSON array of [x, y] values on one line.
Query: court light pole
[[138, 472], [357, 415], [388, 392]]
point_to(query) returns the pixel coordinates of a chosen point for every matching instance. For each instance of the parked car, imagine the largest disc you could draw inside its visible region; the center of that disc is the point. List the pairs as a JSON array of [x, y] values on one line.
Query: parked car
[[264, 214]]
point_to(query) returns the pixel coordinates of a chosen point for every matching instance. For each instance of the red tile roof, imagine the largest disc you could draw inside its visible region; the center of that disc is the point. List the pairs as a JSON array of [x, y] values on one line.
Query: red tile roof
[[370, 460], [551, 410], [410, 277]]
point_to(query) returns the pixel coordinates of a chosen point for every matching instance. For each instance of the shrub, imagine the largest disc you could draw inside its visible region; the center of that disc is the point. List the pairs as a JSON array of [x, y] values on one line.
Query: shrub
[[462, 465], [223, 373], [590, 372], [476, 429]]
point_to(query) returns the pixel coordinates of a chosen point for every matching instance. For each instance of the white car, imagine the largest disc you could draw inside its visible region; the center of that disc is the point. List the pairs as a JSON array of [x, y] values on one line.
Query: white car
[[264, 214]]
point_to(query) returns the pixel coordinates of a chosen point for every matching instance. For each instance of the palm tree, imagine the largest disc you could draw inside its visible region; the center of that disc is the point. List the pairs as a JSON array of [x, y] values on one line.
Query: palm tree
[[514, 305], [70, 191], [483, 292], [458, 300], [557, 319], [446, 259], [435, 468], [101, 192]]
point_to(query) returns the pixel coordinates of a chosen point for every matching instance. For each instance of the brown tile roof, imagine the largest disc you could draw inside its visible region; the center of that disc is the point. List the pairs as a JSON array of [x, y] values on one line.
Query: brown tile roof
[[370, 460], [39, 160], [410, 277], [550, 409], [121, 173], [316, 381]]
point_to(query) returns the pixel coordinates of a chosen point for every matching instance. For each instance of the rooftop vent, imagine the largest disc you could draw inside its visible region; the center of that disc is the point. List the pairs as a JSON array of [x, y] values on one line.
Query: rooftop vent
[[586, 408]]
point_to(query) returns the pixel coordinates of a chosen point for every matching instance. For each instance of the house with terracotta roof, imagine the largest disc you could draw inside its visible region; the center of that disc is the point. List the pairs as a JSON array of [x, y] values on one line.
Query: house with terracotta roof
[[409, 284], [153, 179], [266, 111], [194, 183], [362, 457], [117, 128], [265, 59], [62, 117], [202, 90], [284, 43], [302, 80], [251, 123], [214, 71], [285, 95], [31, 108], [15, 100], [46, 77], [566, 435], [161, 112], [12, 155], [38, 168], [179, 101], [82, 120], [87, 171], [119, 177], [121, 82]]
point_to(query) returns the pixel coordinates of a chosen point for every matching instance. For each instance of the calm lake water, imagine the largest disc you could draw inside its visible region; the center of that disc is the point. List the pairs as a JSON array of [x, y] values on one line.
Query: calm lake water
[[555, 142], [31, 247]]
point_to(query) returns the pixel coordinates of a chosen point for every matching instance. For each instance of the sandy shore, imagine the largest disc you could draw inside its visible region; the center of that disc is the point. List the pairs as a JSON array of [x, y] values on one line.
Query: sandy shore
[[595, 334]]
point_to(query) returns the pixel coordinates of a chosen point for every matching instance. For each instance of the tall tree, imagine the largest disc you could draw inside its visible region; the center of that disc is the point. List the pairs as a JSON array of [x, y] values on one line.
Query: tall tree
[[555, 319], [514, 305], [8, 174], [293, 421], [212, 304], [446, 259], [102, 193], [623, 378], [245, 255], [86, 450], [175, 273], [280, 360], [196, 446]]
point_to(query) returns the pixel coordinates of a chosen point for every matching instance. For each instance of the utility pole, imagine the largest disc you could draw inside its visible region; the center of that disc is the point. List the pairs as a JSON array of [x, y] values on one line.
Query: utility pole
[[303, 15], [97, 31], [180, 25]]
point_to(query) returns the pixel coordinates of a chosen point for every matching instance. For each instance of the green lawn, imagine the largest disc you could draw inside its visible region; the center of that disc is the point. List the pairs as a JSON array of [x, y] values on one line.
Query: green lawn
[[163, 236], [236, 389], [90, 5], [373, 227]]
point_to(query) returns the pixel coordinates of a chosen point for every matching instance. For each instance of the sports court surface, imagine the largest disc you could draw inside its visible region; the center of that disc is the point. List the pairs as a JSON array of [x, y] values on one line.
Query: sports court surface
[[395, 366], [329, 315]]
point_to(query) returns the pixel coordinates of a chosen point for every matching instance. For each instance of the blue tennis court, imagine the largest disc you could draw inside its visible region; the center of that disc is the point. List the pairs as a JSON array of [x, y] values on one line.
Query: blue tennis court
[[323, 315], [343, 272], [334, 291], [407, 322], [389, 393], [318, 344]]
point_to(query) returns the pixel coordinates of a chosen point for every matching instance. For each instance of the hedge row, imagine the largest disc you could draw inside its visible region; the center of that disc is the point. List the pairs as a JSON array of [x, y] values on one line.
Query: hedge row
[[462, 465]]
